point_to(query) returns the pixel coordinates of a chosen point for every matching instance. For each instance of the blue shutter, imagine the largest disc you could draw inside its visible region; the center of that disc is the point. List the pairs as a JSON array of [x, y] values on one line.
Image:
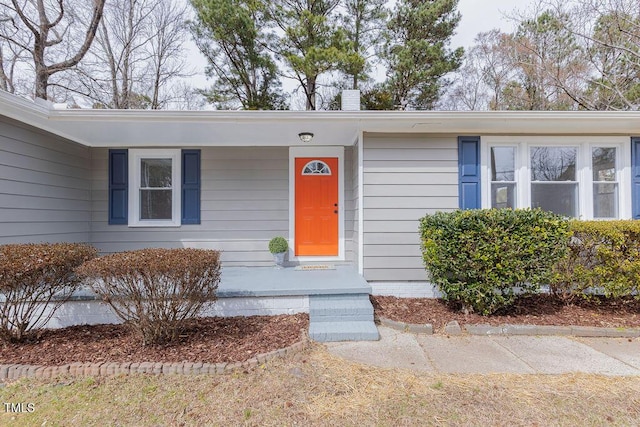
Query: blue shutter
[[635, 178], [191, 186], [118, 187], [469, 172]]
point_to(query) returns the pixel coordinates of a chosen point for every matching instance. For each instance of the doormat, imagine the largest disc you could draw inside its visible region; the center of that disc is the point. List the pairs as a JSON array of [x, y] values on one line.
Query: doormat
[[315, 267]]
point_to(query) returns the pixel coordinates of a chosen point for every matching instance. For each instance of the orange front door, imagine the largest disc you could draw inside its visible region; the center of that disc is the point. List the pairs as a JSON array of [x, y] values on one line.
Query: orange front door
[[316, 206]]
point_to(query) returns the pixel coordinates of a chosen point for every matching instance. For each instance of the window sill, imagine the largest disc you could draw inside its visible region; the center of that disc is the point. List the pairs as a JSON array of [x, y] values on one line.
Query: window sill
[[154, 225]]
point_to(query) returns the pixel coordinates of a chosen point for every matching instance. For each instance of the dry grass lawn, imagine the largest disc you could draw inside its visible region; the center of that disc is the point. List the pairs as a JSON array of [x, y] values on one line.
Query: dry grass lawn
[[316, 388]]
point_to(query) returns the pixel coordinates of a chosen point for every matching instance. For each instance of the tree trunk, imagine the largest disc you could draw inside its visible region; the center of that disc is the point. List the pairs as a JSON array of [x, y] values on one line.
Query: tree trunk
[[42, 82], [310, 91]]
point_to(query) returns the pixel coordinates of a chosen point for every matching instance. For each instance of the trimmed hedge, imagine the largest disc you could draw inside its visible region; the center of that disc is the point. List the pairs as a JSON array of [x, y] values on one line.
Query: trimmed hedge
[[604, 258], [155, 290], [35, 280], [482, 259]]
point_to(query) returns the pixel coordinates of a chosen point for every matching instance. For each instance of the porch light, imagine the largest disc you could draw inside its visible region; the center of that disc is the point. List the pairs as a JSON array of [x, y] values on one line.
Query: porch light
[[305, 136]]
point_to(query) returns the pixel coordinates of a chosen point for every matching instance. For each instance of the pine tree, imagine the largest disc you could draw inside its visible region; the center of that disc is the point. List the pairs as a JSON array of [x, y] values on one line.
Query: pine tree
[[363, 23], [231, 34], [312, 43], [416, 52]]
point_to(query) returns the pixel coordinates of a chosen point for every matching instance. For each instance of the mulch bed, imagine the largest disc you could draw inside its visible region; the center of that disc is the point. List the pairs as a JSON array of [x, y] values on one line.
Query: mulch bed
[[207, 340], [237, 339], [534, 310]]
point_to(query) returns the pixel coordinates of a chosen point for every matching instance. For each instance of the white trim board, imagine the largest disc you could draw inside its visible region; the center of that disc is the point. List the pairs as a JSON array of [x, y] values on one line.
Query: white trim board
[[314, 151], [360, 147]]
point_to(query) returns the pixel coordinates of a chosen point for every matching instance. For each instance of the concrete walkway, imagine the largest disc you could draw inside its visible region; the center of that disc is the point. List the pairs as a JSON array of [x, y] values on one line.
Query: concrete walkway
[[495, 354]]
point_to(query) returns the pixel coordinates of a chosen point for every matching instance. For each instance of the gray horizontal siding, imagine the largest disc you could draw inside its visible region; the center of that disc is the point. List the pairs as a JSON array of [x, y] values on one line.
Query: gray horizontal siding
[[244, 203], [416, 202], [44, 186], [405, 178], [349, 205]]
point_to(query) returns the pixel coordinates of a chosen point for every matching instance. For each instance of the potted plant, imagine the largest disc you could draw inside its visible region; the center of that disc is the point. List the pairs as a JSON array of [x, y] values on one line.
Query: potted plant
[[278, 246]]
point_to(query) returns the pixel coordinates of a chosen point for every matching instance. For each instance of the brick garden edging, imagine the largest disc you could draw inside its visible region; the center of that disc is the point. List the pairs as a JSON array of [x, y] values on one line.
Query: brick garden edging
[[453, 328], [15, 371]]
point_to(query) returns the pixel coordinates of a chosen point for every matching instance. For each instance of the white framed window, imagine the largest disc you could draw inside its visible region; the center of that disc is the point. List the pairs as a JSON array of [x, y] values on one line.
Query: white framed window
[[554, 180], [604, 165], [580, 177], [316, 167], [154, 188], [504, 183]]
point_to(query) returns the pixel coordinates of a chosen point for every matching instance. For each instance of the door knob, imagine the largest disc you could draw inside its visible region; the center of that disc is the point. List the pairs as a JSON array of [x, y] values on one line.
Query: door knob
[[335, 204], [335, 212]]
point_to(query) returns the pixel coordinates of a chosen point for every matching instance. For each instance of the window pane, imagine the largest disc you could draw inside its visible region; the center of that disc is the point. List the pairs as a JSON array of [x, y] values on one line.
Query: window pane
[[155, 173], [155, 204], [503, 195], [503, 164], [558, 198], [553, 163], [605, 200], [604, 164]]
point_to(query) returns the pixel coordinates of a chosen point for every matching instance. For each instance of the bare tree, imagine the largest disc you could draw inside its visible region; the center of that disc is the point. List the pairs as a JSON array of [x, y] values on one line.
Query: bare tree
[[550, 64], [51, 32], [608, 33], [137, 55], [540, 66], [168, 31], [11, 57], [480, 82]]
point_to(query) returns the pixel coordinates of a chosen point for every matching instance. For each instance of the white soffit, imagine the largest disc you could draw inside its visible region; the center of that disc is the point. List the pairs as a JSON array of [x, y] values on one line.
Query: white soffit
[[142, 128]]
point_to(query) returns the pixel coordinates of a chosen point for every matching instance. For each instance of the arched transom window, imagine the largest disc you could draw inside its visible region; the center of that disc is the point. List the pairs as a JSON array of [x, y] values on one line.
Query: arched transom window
[[316, 167]]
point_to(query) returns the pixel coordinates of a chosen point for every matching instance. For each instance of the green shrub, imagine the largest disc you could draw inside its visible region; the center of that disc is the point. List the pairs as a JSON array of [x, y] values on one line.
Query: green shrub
[[35, 280], [604, 257], [278, 245], [155, 290], [481, 259]]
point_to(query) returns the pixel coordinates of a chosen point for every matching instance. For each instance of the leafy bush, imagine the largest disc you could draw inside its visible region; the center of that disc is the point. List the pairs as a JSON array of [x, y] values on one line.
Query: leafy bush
[[155, 290], [604, 257], [481, 259], [278, 245], [35, 280]]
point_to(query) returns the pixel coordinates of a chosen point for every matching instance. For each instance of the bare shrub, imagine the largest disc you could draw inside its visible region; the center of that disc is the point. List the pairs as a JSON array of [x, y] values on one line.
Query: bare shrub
[[155, 290], [35, 280]]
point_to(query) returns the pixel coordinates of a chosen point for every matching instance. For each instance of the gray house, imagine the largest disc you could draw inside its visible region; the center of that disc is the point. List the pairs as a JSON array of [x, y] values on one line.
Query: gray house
[[344, 187]]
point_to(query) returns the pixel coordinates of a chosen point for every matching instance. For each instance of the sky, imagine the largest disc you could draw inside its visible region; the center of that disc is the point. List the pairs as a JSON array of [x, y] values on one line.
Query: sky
[[477, 16], [484, 15]]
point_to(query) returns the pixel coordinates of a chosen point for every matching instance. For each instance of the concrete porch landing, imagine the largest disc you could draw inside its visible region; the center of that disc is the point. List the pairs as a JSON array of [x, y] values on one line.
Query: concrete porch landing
[[269, 281], [338, 300]]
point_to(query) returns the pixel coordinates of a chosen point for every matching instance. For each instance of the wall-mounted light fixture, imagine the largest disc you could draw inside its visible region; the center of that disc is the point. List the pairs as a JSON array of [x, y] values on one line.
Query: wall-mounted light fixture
[[305, 136]]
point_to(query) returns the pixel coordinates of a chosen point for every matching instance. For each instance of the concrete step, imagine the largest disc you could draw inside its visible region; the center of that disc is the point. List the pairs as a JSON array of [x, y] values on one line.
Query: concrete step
[[355, 307], [344, 317], [343, 331]]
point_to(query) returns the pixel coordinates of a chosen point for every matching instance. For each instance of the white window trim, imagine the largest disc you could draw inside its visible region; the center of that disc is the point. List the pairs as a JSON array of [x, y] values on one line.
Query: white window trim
[[135, 156], [325, 151], [584, 175]]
